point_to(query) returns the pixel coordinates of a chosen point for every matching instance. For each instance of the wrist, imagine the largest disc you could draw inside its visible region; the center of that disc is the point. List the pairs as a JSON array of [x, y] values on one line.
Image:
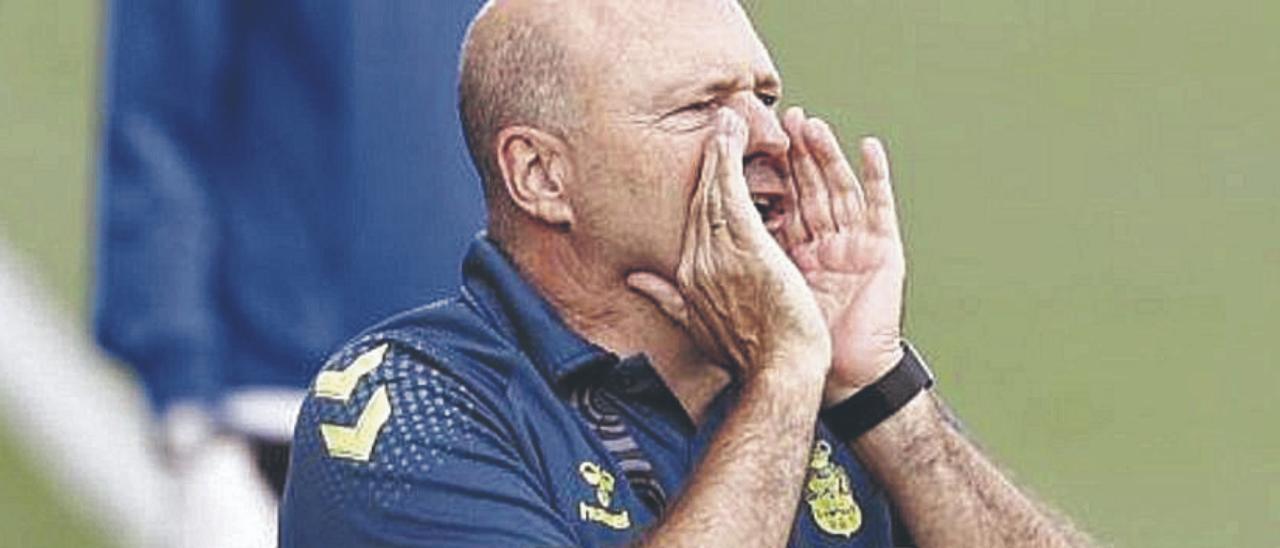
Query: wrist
[[809, 358], [786, 380], [880, 400], [841, 386]]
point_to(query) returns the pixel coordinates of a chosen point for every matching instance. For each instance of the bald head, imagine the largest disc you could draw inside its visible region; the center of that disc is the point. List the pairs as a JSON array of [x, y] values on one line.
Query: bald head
[[515, 71], [573, 108], [521, 60]]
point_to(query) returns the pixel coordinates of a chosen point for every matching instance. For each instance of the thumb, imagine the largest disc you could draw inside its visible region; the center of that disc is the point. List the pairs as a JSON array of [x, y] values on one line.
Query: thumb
[[662, 293]]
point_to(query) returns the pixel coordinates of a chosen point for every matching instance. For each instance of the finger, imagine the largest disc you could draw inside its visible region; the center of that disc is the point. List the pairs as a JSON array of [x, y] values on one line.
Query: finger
[[792, 233], [734, 200], [713, 199], [663, 293], [712, 222], [877, 186], [695, 223], [811, 192], [842, 185], [698, 205]]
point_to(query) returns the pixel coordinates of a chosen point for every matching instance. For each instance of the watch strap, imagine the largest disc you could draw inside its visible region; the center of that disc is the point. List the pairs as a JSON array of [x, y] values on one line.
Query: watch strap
[[874, 403]]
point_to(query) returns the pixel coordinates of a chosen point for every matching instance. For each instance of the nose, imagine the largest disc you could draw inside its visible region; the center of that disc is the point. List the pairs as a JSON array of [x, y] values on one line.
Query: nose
[[766, 138]]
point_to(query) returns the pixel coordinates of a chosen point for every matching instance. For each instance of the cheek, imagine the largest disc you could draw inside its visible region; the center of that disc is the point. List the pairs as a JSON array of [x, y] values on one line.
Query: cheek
[[641, 198], [671, 176], [672, 173]]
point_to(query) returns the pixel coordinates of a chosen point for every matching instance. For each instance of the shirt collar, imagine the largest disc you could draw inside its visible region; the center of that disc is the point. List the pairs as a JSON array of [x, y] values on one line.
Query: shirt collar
[[490, 277]]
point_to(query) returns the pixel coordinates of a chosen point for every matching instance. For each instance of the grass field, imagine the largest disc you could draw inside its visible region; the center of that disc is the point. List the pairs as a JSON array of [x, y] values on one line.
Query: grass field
[[1090, 198], [47, 69]]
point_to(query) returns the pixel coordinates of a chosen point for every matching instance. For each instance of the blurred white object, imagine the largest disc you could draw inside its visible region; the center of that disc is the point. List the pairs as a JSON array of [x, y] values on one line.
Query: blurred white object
[[263, 413], [90, 428], [220, 499]]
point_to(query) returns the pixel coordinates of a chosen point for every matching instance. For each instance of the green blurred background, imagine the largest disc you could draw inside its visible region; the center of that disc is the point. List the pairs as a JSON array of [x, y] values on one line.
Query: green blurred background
[[1090, 199]]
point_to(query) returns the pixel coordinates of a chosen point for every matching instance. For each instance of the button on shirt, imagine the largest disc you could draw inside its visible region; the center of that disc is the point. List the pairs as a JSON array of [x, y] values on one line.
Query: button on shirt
[[483, 420]]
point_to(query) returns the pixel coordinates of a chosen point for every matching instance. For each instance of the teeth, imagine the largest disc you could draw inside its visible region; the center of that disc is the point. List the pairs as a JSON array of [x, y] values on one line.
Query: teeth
[[764, 204]]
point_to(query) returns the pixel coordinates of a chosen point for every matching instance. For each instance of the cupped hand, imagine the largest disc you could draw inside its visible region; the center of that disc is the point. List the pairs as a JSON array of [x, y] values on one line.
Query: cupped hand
[[844, 238], [737, 294]]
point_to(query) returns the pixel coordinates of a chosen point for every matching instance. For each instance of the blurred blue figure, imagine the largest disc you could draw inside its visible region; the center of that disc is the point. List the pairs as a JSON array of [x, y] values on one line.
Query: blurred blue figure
[[274, 176]]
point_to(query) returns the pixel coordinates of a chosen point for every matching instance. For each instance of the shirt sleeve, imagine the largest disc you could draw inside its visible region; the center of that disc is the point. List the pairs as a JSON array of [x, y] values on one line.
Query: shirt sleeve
[[441, 470]]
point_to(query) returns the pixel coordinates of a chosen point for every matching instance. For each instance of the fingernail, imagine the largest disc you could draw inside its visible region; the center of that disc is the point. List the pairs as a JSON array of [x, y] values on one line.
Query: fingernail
[[724, 117], [635, 280], [728, 121], [871, 146]]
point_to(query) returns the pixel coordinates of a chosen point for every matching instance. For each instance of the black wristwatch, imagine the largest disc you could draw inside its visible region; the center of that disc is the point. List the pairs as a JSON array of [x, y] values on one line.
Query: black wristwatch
[[878, 401]]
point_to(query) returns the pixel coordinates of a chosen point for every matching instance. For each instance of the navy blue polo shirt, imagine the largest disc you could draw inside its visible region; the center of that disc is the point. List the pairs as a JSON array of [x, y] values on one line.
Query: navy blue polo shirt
[[483, 420]]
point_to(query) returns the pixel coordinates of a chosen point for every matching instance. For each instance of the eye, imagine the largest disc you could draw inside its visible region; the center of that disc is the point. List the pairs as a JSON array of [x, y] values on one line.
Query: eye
[[700, 106], [768, 99]]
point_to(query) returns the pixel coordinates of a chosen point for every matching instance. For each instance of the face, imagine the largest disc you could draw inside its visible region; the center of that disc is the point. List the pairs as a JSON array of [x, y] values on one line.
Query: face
[[651, 85]]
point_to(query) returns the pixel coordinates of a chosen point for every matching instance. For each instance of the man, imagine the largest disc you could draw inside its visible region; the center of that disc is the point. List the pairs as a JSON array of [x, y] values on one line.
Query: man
[[632, 357]]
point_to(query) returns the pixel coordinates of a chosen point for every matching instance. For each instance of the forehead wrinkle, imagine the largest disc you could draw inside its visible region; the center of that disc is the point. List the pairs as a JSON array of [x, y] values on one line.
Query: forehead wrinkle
[[707, 82], [717, 80]]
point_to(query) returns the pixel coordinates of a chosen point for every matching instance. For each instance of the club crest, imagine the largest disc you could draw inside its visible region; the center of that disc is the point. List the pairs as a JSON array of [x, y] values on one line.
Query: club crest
[[829, 494]]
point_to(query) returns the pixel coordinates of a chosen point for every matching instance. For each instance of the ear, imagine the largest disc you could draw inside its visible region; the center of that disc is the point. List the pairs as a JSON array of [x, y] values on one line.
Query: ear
[[534, 166]]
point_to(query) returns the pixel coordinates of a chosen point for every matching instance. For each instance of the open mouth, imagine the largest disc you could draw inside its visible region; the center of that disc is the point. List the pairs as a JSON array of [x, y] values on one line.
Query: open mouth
[[768, 192], [769, 205]]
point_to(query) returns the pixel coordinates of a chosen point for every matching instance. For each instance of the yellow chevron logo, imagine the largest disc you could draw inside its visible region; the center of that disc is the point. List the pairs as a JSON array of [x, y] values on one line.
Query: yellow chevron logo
[[356, 442], [339, 385]]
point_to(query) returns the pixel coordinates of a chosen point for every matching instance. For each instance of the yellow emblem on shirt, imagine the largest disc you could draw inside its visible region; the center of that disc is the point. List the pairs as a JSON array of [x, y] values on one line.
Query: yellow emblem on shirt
[[603, 482], [354, 442], [829, 494], [339, 385]]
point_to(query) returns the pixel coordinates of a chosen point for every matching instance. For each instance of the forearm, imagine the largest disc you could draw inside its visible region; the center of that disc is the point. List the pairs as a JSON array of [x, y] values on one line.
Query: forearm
[[747, 487], [947, 492]]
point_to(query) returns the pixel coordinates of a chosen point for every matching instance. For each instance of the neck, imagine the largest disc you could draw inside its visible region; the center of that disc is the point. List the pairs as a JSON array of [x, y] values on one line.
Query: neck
[[598, 305]]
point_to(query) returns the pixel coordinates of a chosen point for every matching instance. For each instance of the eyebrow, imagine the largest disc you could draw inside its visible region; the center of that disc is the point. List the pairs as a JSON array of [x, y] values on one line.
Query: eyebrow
[[733, 83], [721, 84]]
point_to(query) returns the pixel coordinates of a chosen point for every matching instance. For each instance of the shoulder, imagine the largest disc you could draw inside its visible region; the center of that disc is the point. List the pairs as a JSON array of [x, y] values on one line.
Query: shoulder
[[421, 384], [435, 360], [407, 419], [450, 338]]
